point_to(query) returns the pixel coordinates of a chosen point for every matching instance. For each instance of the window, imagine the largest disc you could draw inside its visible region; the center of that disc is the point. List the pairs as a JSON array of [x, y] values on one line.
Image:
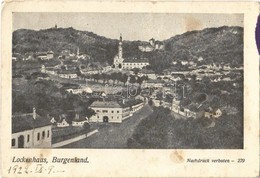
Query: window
[[43, 134], [48, 134], [13, 142], [105, 111], [112, 117], [112, 111], [38, 136], [117, 111], [28, 138], [97, 110], [97, 116]]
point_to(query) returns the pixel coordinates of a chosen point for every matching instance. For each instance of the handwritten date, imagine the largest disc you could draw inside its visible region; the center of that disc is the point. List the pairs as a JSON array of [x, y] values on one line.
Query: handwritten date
[[38, 168]]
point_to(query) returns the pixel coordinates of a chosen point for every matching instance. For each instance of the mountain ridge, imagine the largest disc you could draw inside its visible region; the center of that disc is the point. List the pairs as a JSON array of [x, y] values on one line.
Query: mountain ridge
[[218, 44]]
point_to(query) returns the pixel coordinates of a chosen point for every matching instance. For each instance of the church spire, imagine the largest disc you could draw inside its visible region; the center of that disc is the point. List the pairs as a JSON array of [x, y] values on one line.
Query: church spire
[[120, 49]]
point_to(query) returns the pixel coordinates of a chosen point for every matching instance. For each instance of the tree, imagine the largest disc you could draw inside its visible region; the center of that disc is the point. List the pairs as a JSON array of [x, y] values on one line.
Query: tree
[[86, 126], [140, 80], [124, 78], [132, 79], [135, 70], [104, 77], [96, 77], [114, 77]]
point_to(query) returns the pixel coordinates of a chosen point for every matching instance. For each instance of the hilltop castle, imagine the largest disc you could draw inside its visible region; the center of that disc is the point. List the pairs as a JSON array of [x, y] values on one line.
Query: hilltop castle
[[130, 63]]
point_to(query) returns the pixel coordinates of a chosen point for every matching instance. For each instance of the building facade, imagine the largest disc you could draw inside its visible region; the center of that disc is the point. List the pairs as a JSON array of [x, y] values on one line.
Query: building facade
[[107, 112], [31, 131], [111, 111]]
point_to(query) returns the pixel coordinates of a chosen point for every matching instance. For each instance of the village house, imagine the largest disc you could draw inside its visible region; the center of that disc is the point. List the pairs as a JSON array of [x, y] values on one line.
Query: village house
[[31, 131], [79, 121], [146, 48], [63, 123], [187, 112], [212, 113], [149, 73], [53, 121], [49, 70], [50, 55], [42, 56], [184, 63], [194, 110], [69, 74], [156, 102], [226, 67], [45, 55], [153, 84], [79, 90]]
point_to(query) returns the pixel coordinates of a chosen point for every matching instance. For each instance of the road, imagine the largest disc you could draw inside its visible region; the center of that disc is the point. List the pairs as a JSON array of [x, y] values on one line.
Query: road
[[113, 135]]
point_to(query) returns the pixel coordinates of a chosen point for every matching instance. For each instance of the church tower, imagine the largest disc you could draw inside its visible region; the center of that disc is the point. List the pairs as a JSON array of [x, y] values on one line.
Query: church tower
[[120, 48], [118, 60]]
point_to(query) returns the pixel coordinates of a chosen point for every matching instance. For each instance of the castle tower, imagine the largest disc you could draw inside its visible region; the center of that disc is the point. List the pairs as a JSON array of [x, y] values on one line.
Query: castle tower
[[120, 48]]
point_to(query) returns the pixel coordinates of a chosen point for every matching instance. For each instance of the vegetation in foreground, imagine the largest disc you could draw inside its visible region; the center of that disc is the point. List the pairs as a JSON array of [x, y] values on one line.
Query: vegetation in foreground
[[162, 130]]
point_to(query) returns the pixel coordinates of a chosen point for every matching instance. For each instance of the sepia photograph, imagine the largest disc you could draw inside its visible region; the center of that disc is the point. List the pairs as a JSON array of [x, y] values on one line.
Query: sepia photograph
[[129, 89], [127, 80]]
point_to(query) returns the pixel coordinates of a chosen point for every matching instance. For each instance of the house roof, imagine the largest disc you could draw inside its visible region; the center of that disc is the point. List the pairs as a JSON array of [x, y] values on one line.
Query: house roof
[[105, 104], [80, 119], [136, 60], [154, 81], [25, 122], [50, 52], [67, 72]]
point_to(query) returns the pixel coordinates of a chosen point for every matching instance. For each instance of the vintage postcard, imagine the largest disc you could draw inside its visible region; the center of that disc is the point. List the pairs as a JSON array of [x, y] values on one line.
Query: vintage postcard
[[129, 89]]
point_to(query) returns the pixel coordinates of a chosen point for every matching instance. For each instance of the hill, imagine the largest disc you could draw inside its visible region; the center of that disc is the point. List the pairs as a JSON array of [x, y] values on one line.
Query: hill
[[219, 45], [223, 44], [60, 39]]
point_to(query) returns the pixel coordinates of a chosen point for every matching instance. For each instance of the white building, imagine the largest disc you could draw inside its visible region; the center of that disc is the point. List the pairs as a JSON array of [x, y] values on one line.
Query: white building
[[50, 55], [79, 90], [107, 111], [79, 121], [212, 113], [67, 74], [111, 111], [135, 63], [121, 63], [31, 131], [153, 84], [63, 123]]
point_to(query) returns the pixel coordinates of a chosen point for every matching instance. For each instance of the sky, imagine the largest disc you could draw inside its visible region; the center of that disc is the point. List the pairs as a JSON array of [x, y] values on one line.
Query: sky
[[133, 26]]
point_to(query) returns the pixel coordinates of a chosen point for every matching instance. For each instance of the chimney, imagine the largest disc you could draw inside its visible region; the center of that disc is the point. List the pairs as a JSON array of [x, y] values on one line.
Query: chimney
[[77, 116], [34, 113], [123, 101]]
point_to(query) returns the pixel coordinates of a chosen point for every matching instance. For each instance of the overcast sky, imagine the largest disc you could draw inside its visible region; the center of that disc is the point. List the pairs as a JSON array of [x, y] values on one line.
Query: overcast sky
[[133, 26]]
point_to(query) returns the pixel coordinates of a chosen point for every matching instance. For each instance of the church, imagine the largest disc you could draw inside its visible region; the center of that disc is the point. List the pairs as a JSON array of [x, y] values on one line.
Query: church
[[121, 63]]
